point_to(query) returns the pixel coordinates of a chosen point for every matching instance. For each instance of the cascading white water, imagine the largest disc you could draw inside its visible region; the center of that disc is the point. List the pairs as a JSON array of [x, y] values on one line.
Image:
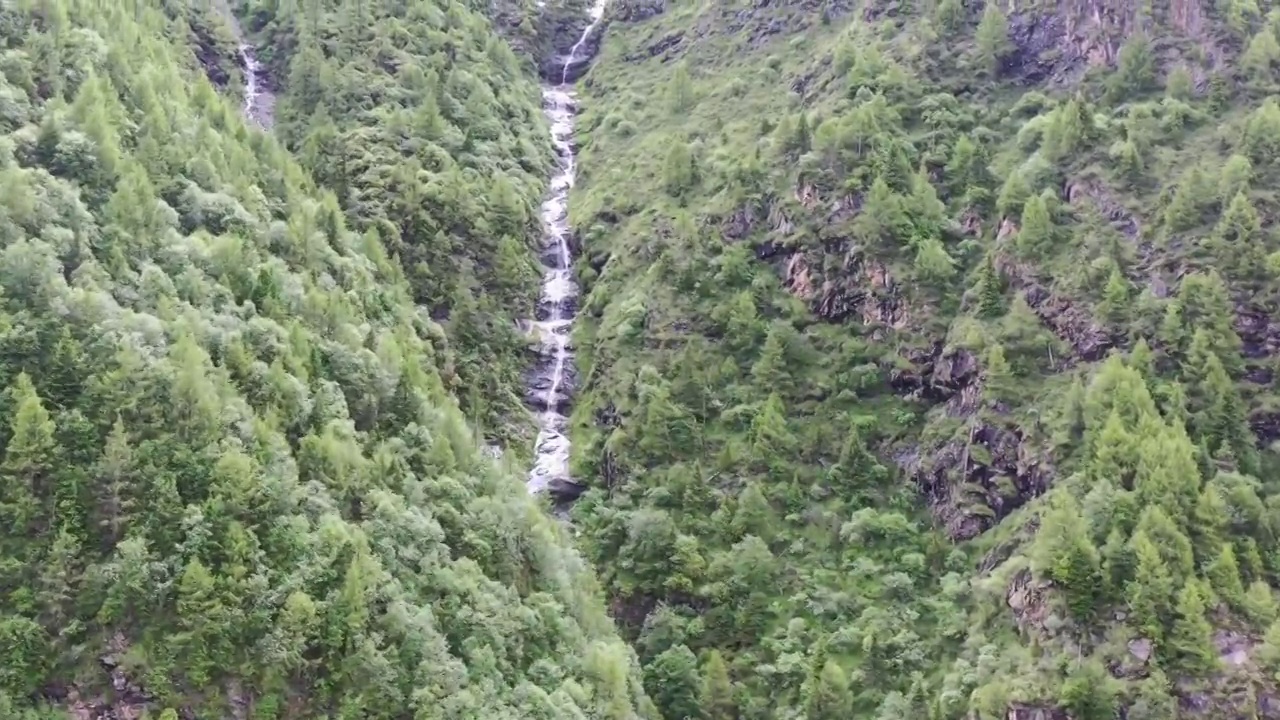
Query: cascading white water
[[259, 101], [553, 376]]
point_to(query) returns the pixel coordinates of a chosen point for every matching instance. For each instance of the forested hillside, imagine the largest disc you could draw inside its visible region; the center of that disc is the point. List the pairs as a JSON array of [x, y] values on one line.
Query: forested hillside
[[927, 356], [426, 125], [234, 483]]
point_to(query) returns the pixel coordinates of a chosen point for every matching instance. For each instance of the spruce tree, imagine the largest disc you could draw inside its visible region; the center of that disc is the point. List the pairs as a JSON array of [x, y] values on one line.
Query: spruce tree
[[1036, 232], [1238, 242], [1115, 305], [717, 698], [990, 290], [673, 682], [680, 92], [1149, 594], [28, 473], [828, 696], [1190, 645], [992, 38], [1224, 577], [1064, 553]]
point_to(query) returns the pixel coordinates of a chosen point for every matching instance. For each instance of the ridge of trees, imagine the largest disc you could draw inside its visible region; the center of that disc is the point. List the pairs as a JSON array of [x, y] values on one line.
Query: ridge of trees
[[427, 127]]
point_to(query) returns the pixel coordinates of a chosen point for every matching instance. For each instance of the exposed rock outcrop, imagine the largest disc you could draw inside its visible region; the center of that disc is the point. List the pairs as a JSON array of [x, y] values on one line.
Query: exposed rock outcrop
[[1057, 43], [636, 10], [974, 480], [1024, 711]]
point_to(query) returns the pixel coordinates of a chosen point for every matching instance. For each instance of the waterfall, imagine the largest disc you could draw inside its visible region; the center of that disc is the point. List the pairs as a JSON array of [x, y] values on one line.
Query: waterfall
[[553, 376], [259, 101]]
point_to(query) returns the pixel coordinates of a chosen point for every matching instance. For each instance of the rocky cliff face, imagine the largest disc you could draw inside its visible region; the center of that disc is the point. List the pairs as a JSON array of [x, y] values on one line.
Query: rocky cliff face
[[1057, 43]]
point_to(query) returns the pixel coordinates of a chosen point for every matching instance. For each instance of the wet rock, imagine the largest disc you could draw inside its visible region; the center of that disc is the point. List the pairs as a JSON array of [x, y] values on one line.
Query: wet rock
[[1234, 648], [954, 370], [546, 392], [636, 10], [549, 309], [1259, 375], [573, 69], [1265, 425], [1028, 600], [659, 47], [972, 483], [560, 401], [1268, 705], [1037, 38], [565, 490], [1259, 333], [553, 259], [1141, 649], [209, 54], [574, 41]]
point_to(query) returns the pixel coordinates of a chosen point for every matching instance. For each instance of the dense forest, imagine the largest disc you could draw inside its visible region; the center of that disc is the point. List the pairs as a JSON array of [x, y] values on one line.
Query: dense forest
[[925, 362], [928, 356], [235, 480]]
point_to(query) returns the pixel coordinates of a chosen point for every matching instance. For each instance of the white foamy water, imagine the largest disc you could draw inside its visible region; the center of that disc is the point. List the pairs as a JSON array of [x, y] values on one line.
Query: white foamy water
[[553, 375], [259, 101]]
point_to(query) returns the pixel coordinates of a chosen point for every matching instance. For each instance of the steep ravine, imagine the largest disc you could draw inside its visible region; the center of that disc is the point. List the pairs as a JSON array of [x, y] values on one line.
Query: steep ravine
[[551, 382], [259, 101]]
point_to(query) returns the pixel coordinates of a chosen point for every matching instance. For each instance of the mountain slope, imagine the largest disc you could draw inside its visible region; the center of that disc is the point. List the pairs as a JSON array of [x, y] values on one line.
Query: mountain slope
[[856, 273], [428, 128], [233, 482]]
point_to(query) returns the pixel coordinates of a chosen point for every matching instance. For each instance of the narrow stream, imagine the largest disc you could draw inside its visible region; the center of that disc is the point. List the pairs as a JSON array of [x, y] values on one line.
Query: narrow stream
[[552, 381], [259, 101]]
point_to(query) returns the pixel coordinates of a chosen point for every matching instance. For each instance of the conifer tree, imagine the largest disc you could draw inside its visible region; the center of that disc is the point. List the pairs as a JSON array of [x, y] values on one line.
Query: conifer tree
[[1237, 240], [771, 368], [1149, 594], [679, 171], [1064, 553], [672, 681], [1013, 195], [803, 139], [990, 290], [932, 261], [1235, 178], [1268, 653], [1117, 564], [1135, 68], [1186, 208], [1209, 524], [1115, 305], [28, 472], [717, 697], [1224, 577], [1036, 231], [1191, 636], [680, 92], [754, 515], [1089, 692], [996, 371], [829, 696], [1260, 57], [1260, 604], [949, 15], [992, 38]]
